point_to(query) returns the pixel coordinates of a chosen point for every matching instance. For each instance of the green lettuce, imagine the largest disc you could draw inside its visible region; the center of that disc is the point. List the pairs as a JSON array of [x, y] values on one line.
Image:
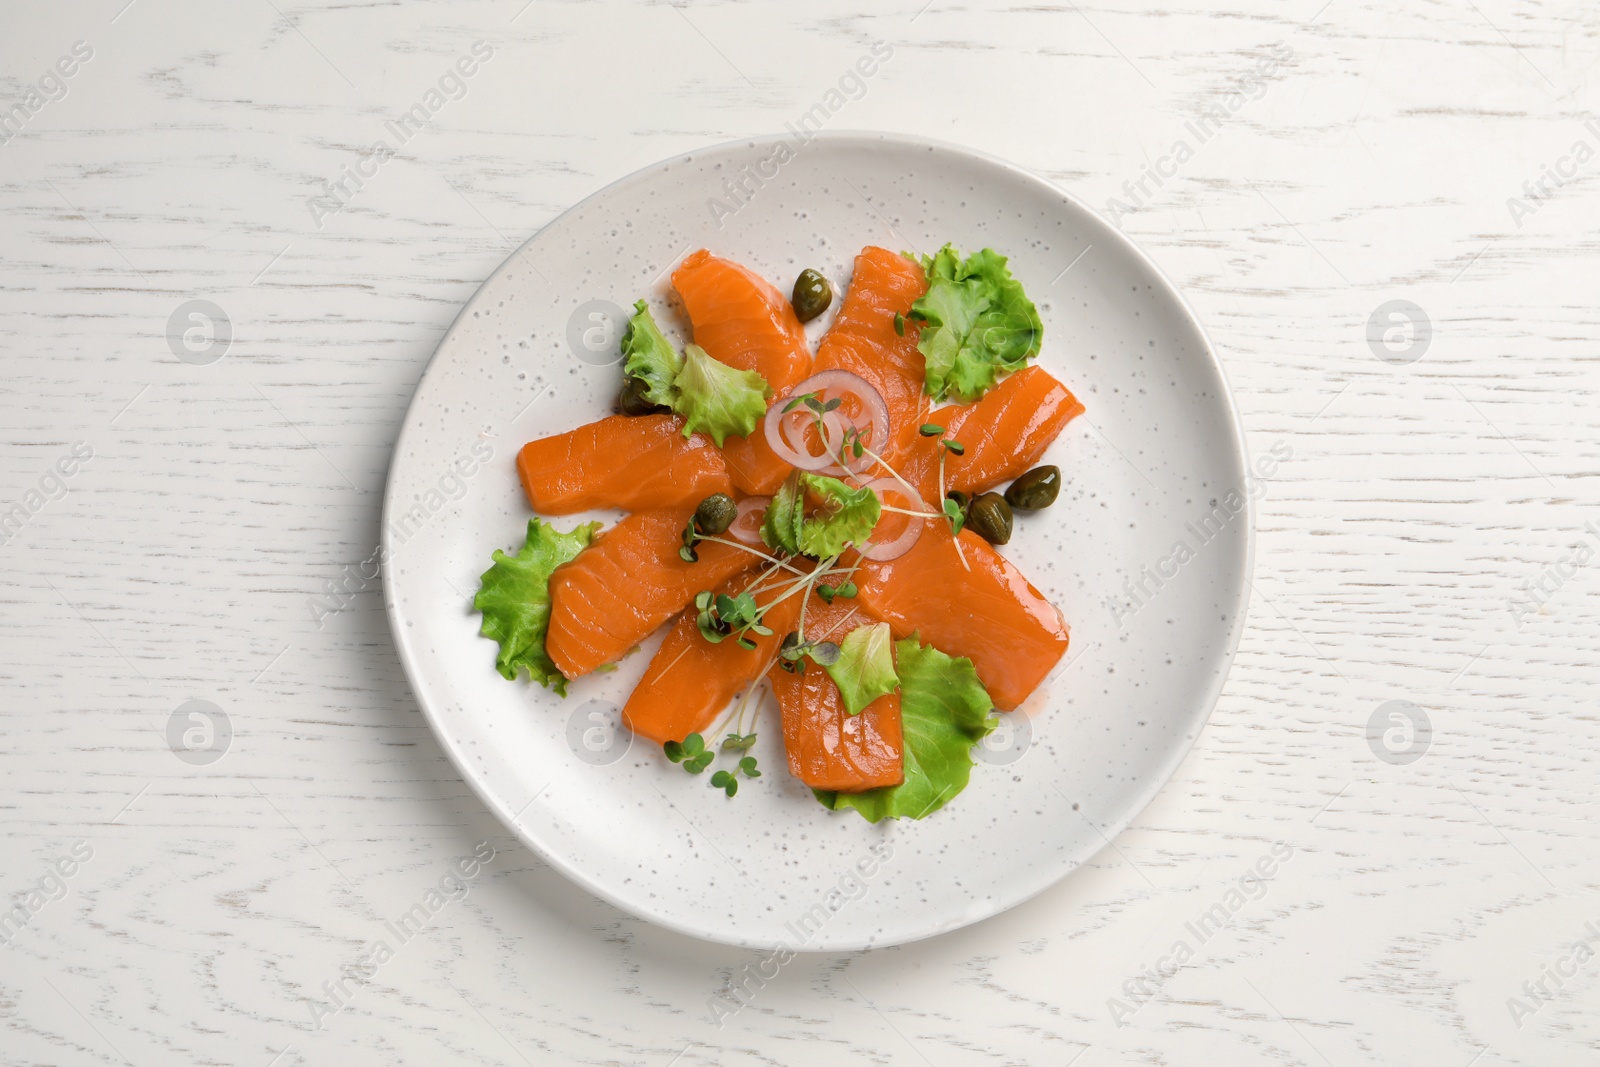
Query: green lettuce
[[650, 357], [944, 711], [977, 323], [785, 517], [846, 517], [514, 598], [716, 399], [864, 670]]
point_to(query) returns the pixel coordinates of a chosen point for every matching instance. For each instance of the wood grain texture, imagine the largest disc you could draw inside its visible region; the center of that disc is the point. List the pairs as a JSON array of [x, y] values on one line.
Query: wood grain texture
[[180, 561]]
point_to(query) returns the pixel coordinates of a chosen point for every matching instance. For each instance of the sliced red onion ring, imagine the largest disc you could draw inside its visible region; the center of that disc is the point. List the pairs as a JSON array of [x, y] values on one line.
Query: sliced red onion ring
[[776, 427], [828, 385], [901, 544], [746, 525]]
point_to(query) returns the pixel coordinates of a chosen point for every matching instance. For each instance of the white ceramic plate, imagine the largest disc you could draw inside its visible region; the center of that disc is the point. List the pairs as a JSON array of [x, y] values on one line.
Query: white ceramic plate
[[1151, 465]]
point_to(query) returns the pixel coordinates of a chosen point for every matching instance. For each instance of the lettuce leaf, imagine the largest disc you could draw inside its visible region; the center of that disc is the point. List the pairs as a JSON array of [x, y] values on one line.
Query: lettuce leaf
[[650, 356], [514, 598], [944, 711], [846, 517], [717, 400], [977, 323], [785, 516], [864, 670]]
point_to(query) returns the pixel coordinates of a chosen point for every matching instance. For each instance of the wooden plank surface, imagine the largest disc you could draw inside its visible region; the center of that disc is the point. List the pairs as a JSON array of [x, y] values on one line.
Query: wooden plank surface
[[1374, 153]]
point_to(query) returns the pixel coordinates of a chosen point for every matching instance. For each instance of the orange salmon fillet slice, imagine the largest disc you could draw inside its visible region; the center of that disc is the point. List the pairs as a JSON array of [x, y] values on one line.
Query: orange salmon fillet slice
[[991, 614], [827, 748], [627, 583], [862, 340], [635, 463], [691, 681], [741, 320], [1004, 435]]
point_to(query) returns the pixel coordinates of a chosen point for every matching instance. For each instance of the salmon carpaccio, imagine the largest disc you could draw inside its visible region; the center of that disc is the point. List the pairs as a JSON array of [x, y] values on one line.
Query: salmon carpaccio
[[627, 583], [1003, 435], [629, 462], [741, 320], [862, 340], [991, 614], [828, 748], [691, 681]]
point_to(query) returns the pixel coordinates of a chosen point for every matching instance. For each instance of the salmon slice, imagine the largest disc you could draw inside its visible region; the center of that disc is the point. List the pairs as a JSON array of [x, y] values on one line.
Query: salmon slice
[[1004, 434], [627, 583], [863, 341], [827, 748], [634, 463], [991, 614], [741, 320], [691, 681]]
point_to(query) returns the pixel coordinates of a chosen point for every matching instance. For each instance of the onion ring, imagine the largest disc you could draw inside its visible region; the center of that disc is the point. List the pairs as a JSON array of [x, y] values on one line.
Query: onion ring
[[829, 385], [901, 543], [775, 428], [746, 525]]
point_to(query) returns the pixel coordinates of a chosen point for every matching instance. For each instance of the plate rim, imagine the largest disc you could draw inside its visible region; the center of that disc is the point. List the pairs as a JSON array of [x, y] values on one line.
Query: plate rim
[[1195, 725]]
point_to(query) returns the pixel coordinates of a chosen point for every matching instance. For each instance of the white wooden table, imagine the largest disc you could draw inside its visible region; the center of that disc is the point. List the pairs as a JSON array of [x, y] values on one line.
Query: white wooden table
[[176, 910]]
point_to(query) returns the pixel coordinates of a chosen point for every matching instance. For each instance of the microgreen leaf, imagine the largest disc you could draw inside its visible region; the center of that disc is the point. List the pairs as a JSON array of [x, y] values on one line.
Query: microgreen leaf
[[929, 429], [826, 593], [748, 766], [735, 743], [694, 744], [688, 555], [702, 600], [798, 401], [825, 653], [899, 324], [952, 511], [955, 446], [848, 589], [674, 751]]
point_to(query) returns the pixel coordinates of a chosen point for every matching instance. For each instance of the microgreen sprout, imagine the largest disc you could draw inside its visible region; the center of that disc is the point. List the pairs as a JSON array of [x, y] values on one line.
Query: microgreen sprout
[[691, 753], [899, 324], [828, 592], [930, 429], [728, 781], [955, 446], [952, 511]]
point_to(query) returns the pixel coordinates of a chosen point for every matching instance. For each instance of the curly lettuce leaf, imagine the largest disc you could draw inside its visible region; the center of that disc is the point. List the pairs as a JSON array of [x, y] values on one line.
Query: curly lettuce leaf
[[514, 598], [716, 399], [846, 517], [864, 670], [977, 324], [944, 711], [650, 357], [785, 517]]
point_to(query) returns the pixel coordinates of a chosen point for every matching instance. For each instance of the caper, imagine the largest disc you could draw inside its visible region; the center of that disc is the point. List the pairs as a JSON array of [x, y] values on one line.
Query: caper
[[633, 401], [1035, 490], [715, 514], [812, 295], [990, 518]]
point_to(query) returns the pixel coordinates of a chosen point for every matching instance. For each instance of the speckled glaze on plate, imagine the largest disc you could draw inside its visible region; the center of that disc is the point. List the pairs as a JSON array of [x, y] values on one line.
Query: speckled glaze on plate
[[1157, 463]]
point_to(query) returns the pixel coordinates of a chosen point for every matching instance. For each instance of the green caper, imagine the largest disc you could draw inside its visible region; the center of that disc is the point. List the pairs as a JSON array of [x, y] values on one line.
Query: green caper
[[990, 518], [632, 399], [1035, 490], [812, 295], [715, 514]]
